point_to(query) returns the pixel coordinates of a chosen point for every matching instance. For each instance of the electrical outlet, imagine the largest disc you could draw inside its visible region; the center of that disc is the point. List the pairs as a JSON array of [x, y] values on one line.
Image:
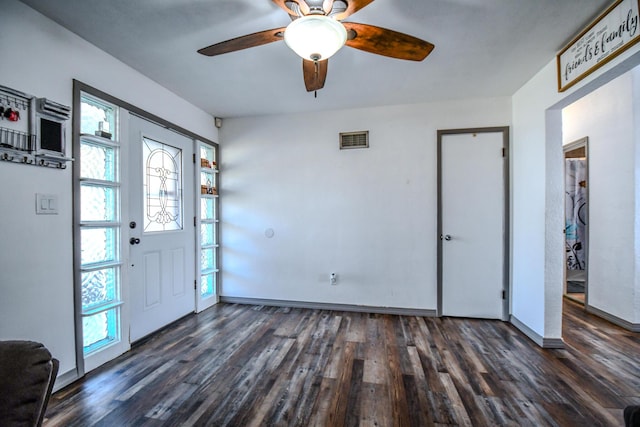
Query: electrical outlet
[[333, 279]]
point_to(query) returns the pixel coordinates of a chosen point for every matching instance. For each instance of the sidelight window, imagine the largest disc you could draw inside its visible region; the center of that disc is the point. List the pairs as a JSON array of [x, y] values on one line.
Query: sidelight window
[[208, 222], [99, 225]]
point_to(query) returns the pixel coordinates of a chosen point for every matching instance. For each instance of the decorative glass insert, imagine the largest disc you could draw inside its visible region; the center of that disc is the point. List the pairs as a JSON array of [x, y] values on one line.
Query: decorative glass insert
[[100, 329], [98, 203], [206, 152], [98, 245], [207, 284], [207, 259], [207, 208], [162, 186], [97, 116], [99, 287], [97, 162], [207, 236]]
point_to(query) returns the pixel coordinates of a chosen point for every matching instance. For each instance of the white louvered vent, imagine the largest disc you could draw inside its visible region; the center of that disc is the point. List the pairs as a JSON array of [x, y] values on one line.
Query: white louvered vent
[[50, 108], [354, 140]]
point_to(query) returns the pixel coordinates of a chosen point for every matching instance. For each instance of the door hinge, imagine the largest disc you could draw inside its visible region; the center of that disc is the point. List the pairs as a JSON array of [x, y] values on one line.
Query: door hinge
[[504, 294], [504, 152], [194, 158], [195, 221], [195, 284]]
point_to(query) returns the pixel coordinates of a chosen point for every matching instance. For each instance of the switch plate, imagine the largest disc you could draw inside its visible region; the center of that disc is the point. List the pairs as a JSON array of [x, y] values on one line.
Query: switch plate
[[46, 204]]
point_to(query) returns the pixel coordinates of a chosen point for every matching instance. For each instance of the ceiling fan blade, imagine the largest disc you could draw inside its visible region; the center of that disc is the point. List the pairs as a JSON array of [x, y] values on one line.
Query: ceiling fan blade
[[304, 7], [244, 42], [284, 7], [385, 42], [352, 7], [315, 73]]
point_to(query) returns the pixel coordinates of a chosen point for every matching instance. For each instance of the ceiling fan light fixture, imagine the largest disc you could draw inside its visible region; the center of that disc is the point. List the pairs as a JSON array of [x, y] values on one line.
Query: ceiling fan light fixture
[[315, 37]]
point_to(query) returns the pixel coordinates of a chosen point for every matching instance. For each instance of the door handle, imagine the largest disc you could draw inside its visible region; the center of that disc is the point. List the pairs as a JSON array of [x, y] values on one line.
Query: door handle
[[134, 240], [446, 237]]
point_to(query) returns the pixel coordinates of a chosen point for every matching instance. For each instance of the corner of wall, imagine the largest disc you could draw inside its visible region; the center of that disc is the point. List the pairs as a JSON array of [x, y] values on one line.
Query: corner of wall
[[635, 75]]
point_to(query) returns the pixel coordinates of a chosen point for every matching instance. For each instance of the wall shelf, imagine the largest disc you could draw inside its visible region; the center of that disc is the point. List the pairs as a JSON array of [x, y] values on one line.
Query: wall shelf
[[19, 141]]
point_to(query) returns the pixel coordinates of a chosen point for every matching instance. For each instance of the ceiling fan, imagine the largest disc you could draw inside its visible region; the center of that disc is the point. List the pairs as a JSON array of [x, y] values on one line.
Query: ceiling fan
[[316, 32]]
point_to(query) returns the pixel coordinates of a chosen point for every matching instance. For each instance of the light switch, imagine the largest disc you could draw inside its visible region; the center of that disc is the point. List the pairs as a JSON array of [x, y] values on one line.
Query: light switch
[[46, 204]]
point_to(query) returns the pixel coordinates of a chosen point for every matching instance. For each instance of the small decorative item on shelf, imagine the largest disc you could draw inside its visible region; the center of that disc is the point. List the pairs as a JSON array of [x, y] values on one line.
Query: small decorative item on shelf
[[204, 163], [103, 130], [213, 164], [208, 189]]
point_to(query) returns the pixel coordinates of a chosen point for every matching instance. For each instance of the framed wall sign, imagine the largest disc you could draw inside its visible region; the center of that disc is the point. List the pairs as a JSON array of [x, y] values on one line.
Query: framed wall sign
[[613, 32]]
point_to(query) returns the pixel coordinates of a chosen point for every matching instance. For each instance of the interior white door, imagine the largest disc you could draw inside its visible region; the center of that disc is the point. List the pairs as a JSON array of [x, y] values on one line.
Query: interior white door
[[162, 241], [472, 224]]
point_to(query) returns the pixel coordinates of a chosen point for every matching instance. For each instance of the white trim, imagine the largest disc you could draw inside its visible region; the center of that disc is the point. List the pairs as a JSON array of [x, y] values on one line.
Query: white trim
[[330, 306], [63, 380], [535, 337], [633, 327]]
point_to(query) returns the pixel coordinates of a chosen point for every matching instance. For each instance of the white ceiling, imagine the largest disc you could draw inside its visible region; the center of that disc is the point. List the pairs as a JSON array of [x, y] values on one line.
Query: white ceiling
[[484, 48]]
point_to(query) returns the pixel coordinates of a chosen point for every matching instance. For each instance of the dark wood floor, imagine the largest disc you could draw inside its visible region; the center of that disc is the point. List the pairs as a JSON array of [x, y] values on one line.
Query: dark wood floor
[[241, 365]]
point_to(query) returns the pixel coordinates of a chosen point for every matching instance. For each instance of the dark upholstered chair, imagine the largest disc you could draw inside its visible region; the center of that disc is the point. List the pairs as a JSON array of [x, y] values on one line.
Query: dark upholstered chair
[[27, 374], [632, 416]]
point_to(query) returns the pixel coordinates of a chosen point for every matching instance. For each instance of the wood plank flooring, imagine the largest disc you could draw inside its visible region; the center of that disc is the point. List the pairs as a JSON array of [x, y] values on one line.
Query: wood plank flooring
[[238, 365]]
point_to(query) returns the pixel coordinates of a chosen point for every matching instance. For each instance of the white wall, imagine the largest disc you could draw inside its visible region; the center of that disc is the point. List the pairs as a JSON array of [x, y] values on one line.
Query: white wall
[[636, 179], [537, 192], [39, 57], [367, 214], [606, 117]]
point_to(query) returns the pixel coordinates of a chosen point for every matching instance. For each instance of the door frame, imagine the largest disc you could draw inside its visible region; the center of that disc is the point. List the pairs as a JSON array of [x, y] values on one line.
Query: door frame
[[79, 88], [506, 301], [580, 143]]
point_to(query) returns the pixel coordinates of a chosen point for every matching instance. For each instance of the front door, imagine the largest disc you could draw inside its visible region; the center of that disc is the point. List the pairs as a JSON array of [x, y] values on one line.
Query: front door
[[472, 223], [161, 232]]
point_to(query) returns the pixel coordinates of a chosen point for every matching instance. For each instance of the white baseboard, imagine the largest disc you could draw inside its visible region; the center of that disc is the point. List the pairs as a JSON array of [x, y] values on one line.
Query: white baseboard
[[65, 379], [633, 327], [333, 307], [535, 337]]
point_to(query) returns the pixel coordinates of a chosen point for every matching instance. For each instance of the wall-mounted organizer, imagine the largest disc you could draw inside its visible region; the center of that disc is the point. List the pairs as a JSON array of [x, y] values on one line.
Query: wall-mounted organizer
[[32, 130]]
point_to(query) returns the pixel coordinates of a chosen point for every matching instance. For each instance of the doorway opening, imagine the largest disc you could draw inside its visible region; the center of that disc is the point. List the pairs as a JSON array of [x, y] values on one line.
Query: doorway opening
[[576, 230], [606, 111]]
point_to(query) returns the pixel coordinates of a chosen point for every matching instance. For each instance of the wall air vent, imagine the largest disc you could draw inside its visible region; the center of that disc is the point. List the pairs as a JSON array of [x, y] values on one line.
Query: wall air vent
[[53, 109], [354, 140]]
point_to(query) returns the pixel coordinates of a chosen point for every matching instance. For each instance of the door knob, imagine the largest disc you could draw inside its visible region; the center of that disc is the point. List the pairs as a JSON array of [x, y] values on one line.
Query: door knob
[[134, 240], [447, 237]]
